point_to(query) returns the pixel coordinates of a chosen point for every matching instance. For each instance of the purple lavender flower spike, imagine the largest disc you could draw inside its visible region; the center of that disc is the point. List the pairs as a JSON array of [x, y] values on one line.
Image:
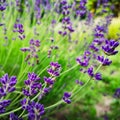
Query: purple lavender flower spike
[[82, 8], [83, 61], [66, 97], [8, 84], [90, 72], [35, 110], [63, 2], [24, 104], [109, 47], [94, 48], [66, 22], [4, 104], [55, 68], [33, 85], [49, 80], [98, 76], [3, 5], [20, 30], [46, 90], [104, 61]]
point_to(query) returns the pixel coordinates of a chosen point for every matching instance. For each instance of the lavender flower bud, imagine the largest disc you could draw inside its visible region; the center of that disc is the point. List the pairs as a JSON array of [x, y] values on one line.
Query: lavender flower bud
[[66, 97]]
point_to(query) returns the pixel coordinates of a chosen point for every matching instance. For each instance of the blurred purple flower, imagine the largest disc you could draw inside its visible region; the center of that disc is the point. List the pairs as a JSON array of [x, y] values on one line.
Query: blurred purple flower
[[104, 61], [66, 97], [109, 47], [4, 104], [54, 69]]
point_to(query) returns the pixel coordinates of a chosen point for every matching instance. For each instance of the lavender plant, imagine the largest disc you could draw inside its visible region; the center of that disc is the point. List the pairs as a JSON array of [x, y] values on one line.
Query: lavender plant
[[32, 32]]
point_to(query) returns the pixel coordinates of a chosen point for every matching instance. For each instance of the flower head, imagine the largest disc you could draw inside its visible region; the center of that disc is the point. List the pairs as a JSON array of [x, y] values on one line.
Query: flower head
[[4, 104], [8, 84], [66, 97], [34, 109], [109, 47], [19, 29], [104, 61], [54, 69], [33, 85], [90, 72], [98, 76]]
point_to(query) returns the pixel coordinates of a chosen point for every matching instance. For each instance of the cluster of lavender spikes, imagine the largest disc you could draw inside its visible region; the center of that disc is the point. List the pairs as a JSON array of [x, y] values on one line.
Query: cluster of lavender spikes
[[66, 22], [33, 51], [33, 86], [94, 54]]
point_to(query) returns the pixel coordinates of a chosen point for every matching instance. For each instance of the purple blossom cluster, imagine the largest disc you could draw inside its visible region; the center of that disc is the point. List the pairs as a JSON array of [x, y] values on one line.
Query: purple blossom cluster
[[99, 38], [54, 69], [66, 22], [20, 30], [110, 46], [33, 85], [7, 85], [33, 50], [3, 5], [35, 110], [81, 10], [66, 97], [79, 82], [3, 105], [93, 54]]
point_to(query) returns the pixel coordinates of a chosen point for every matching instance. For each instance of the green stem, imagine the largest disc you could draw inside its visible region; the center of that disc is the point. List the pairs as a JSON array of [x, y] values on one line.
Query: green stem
[[54, 105], [69, 69]]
